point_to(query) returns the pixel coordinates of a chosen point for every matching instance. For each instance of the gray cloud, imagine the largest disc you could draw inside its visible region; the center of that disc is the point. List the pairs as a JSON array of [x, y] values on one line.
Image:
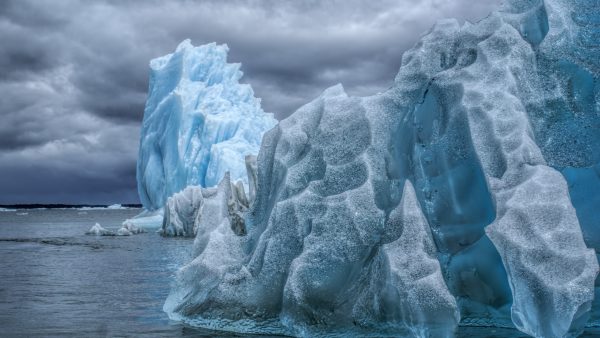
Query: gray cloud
[[73, 74]]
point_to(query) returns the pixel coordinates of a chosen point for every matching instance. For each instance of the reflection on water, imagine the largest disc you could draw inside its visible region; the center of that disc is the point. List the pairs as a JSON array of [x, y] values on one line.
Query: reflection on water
[[56, 281]]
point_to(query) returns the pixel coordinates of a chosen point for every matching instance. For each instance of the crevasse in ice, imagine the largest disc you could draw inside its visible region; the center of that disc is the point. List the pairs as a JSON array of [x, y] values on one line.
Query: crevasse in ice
[[466, 193], [199, 122]]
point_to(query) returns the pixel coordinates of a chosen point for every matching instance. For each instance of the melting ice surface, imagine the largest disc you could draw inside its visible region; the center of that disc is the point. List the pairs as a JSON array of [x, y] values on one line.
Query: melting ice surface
[[466, 193], [199, 122]]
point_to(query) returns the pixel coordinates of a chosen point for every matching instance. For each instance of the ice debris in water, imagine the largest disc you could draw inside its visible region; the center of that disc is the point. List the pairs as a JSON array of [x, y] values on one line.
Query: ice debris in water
[[148, 220], [464, 192], [116, 207], [199, 122], [127, 229], [130, 228], [98, 230]]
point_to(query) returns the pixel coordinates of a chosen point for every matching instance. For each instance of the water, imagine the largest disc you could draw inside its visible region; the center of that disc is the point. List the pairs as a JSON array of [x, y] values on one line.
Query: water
[[57, 282]]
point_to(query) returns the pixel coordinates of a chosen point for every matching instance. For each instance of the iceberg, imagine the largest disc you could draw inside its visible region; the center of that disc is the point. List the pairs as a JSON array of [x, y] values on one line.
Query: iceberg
[[465, 194], [199, 122]]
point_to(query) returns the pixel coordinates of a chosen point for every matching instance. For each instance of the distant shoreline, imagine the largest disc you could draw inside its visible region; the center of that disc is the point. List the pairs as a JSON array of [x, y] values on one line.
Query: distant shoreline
[[62, 206]]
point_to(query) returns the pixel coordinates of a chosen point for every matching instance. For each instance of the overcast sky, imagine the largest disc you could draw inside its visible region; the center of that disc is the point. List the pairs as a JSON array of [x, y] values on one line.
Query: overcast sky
[[74, 74]]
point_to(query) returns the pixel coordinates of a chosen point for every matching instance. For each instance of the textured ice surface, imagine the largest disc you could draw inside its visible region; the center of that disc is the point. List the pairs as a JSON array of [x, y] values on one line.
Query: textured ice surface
[[124, 232], [182, 212], [185, 211], [98, 230], [130, 228], [199, 122], [416, 282], [146, 220], [440, 199]]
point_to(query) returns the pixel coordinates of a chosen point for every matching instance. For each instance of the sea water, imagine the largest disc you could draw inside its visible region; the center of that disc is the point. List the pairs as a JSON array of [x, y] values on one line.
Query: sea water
[[55, 281]]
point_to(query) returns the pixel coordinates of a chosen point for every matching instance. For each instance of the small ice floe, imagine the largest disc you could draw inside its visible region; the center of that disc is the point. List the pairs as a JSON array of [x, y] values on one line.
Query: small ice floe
[[130, 228], [6, 210], [147, 220], [123, 232], [98, 230]]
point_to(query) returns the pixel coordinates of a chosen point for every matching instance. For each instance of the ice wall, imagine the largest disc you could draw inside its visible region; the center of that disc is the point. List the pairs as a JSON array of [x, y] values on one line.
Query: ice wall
[[199, 122], [439, 200]]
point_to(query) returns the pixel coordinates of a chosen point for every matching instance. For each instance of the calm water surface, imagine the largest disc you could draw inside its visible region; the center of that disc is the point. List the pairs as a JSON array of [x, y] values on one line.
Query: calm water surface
[[57, 282]]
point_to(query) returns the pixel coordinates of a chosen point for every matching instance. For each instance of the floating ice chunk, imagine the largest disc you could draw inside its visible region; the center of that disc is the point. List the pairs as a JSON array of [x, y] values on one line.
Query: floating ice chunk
[[98, 230], [131, 228], [146, 220], [123, 232], [116, 207], [91, 208]]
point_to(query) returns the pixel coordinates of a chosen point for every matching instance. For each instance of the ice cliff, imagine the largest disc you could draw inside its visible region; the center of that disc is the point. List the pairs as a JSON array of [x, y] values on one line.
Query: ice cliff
[[199, 122], [466, 193]]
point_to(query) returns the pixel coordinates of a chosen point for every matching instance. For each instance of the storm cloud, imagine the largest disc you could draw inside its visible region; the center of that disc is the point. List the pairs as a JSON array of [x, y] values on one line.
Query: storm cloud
[[74, 74]]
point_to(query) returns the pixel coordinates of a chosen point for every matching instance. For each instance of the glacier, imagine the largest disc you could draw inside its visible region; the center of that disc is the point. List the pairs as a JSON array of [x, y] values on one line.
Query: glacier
[[466, 194], [199, 122]]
